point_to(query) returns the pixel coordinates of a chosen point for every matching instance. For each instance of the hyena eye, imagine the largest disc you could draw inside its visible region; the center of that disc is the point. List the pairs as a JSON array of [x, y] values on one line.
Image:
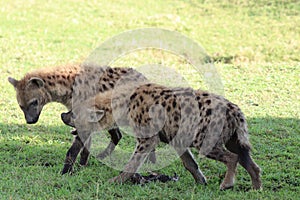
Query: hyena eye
[[34, 103]]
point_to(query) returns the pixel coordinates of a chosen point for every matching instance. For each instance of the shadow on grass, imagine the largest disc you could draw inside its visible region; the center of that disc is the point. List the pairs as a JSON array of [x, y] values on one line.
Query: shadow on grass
[[275, 144]]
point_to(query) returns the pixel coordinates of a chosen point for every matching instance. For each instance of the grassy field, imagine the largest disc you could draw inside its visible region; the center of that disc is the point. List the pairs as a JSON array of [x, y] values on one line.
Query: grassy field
[[257, 54]]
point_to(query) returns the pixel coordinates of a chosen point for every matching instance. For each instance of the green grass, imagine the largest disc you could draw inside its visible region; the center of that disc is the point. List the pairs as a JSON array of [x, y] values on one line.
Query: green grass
[[256, 49]]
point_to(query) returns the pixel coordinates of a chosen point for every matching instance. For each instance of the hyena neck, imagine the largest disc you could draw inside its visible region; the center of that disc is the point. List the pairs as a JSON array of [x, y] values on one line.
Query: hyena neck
[[103, 101], [58, 83]]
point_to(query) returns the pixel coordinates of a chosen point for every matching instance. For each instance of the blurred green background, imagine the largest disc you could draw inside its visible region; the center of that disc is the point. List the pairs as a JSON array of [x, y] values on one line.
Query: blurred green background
[[256, 48]]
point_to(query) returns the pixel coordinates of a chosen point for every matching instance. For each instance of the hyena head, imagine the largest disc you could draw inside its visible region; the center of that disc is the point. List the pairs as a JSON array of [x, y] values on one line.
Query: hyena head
[[93, 114], [89, 116], [30, 96]]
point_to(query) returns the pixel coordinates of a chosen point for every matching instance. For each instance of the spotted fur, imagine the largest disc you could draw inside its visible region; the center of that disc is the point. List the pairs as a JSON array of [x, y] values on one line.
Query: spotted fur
[[70, 85], [182, 117]]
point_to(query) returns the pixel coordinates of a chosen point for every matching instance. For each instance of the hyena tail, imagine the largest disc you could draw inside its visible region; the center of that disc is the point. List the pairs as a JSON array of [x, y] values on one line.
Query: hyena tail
[[243, 145], [243, 138], [245, 159], [239, 144]]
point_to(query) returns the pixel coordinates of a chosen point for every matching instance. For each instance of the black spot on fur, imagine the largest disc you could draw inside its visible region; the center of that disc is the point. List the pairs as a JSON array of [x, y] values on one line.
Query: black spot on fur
[[203, 129], [141, 148], [199, 105], [111, 84], [208, 112], [205, 94], [176, 118], [198, 134], [163, 104], [227, 111], [51, 84], [207, 120], [168, 109], [174, 104], [104, 87], [133, 96], [230, 105], [208, 102], [167, 96], [156, 97], [141, 98], [111, 70]]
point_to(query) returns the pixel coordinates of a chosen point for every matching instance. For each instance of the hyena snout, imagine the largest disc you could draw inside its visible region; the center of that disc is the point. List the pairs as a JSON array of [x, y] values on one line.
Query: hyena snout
[[31, 119], [67, 118]]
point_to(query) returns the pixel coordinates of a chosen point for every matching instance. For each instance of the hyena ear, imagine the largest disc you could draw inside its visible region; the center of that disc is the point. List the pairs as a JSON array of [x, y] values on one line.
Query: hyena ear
[[95, 115], [13, 81], [36, 82]]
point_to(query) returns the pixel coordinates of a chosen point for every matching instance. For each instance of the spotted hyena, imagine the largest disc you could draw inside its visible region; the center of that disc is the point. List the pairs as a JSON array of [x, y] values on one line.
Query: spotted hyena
[[181, 117], [69, 85]]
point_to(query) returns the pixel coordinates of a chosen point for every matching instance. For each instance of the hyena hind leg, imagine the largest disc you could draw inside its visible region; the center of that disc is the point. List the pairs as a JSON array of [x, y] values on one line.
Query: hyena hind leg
[[246, 161], [230, 160], [252, 168]]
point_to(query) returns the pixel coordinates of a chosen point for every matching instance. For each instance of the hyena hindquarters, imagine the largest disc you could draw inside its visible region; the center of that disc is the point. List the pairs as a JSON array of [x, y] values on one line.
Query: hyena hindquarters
[[191, 119]]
